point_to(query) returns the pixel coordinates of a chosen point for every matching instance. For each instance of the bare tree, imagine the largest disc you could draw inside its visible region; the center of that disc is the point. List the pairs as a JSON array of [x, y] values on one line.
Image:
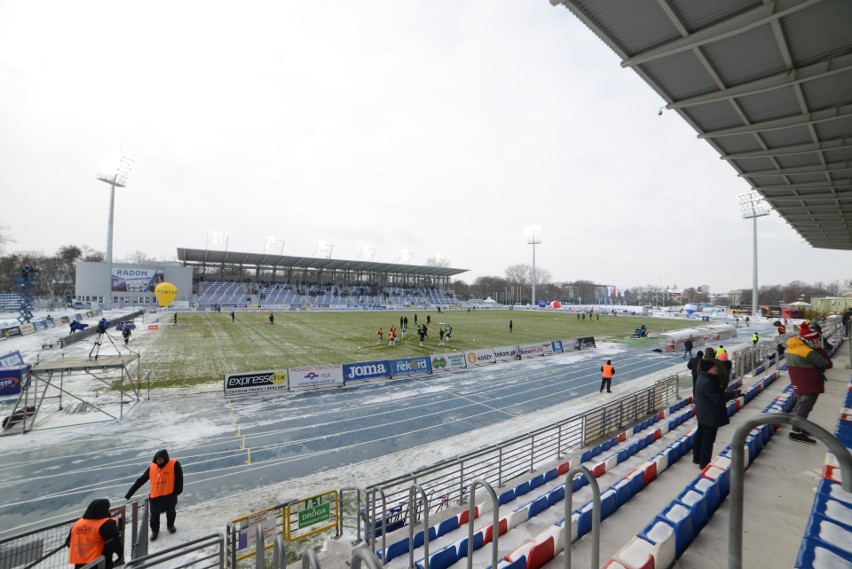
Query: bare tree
[[437, 261]]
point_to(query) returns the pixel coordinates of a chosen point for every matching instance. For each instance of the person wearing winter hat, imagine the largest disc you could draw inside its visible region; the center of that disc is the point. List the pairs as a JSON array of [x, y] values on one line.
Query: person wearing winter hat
[[166, 477], [710, 411], [93, 535], [692, 366], [806, 363]]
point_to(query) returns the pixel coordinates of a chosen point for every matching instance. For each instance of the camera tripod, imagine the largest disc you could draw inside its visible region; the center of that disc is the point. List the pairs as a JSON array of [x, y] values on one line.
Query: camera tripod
[[96, 347]]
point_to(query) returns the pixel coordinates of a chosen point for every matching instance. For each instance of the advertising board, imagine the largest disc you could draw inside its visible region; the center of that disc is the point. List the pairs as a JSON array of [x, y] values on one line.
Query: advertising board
[[255, 381], [534, 350], [480, 357], [308, 377], [407, 366], [366, 370], [506, 353], [446, 362]]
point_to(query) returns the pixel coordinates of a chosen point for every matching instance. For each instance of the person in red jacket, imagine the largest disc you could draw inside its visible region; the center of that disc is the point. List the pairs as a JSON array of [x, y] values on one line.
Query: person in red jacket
[[93, 535], [166, 477], [806, 362]]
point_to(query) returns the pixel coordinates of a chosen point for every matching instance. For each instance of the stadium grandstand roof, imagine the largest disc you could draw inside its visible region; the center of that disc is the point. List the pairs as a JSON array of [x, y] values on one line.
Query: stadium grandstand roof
[[210, 257], [768, 83]]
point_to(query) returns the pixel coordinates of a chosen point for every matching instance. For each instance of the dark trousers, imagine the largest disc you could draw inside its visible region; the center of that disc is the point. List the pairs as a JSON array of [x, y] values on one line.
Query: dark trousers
[[702, 448], [606, 382], [158, 506]]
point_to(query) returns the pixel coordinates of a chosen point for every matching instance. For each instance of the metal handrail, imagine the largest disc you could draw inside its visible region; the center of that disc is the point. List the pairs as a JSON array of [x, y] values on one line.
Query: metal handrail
[[259, 548], [596, 514], [179, 551], [495, 522], [310, 560], [412, 519], [279, 554], [735, 529], [364, 555]]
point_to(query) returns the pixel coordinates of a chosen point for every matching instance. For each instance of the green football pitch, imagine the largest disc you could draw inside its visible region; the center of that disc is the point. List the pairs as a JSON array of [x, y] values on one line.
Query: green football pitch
[[204, 346]]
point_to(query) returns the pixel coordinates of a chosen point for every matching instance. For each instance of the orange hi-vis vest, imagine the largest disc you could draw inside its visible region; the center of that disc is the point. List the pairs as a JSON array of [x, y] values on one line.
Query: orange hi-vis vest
[[86, 541], [607, 371], [162, 479]]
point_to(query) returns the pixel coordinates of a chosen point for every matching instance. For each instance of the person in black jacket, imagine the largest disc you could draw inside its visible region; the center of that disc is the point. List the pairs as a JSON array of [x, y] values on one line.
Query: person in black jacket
[[710, 409], [166, 477], [692, 365], [85, 547]]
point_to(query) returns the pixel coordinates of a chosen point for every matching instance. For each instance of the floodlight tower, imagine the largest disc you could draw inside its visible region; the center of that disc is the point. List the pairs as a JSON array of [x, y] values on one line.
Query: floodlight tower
[[116, 175], [274, 246], [216, 239], [323, 250], [533, 238], [752, 206]]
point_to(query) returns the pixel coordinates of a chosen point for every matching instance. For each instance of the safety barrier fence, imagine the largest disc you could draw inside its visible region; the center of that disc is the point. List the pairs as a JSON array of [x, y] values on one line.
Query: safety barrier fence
[[386, 505]]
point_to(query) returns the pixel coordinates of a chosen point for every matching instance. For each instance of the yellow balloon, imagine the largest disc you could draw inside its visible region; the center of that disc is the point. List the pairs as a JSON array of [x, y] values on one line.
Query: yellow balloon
[[166, 293]]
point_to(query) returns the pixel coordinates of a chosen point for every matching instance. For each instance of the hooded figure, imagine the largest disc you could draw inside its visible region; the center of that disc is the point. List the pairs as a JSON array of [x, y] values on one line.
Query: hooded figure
[[710, 409], [166, 477], [93, 535], [806, 363]]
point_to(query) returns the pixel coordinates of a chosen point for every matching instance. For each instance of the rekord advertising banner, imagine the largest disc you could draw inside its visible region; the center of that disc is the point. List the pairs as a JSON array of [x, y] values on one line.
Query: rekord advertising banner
[[570, 345], [406, 366], [506, 353], [307, 377], [533, 350], [255, 381], [446, 362], [11, 359], [366, 370], [11, 379], [480, 357], [586, 342]]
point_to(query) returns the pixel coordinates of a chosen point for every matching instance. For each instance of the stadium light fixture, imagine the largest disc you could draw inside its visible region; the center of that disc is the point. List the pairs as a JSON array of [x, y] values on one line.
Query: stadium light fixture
[[217, 240], [752, 206], [116, 174], [405, 256], [323, 250], [533, 238], [367, 254], [273, 246]]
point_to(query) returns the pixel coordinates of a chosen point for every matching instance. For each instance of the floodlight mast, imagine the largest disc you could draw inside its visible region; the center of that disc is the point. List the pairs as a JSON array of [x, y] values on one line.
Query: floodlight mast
[[752, 206], [533, 238], [115, 178]]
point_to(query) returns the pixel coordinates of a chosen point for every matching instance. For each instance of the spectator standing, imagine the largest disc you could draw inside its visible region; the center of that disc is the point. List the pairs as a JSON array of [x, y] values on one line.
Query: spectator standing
[[806, 363], [607, 371], [166, 484], [692, 366], [93, 535], [687, 348], [710, 400]]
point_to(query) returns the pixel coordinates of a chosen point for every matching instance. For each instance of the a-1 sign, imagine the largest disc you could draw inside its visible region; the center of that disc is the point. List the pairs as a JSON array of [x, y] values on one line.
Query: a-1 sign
[[311, 515]]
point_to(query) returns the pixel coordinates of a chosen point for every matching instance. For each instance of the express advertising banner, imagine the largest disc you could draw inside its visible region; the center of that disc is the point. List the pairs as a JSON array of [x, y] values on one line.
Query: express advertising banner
[[446, 362], [136, 280], [315, 376], [12, 379], [506, 353], [255, 381], [366, 370], [480, 357], [408, 366], [533, 350]]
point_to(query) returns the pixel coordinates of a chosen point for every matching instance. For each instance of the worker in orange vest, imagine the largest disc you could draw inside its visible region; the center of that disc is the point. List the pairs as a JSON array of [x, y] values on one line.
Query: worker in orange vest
[[93, 535], [607, 371], [166, 477]]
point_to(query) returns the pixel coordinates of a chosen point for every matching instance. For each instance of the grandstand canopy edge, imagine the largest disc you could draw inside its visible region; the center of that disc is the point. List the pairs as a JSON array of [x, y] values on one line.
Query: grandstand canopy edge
[[286, 268]]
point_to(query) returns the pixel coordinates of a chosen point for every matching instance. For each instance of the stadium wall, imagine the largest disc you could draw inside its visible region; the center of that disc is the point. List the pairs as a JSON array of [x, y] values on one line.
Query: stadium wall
[[132, 284]]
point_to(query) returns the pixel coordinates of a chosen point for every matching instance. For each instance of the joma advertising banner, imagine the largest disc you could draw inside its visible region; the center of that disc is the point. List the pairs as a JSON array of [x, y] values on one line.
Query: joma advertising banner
[[255, 381], [506, 353], [533, 350], [480, 357], [407, 366], [446, 362], [307, 377], [366, 370]]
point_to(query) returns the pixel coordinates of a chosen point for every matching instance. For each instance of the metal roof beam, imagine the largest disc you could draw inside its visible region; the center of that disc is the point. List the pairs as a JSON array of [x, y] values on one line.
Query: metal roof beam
[[784, 79], [792, 150], [816, 169], [786, 122], [736, 25]]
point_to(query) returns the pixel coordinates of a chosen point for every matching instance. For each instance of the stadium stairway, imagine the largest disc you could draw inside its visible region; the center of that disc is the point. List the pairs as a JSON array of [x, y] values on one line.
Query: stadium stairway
[[668, 511]]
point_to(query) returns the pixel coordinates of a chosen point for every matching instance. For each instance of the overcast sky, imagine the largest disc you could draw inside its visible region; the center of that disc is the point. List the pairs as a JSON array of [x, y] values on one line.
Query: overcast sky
[[439, 127]]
